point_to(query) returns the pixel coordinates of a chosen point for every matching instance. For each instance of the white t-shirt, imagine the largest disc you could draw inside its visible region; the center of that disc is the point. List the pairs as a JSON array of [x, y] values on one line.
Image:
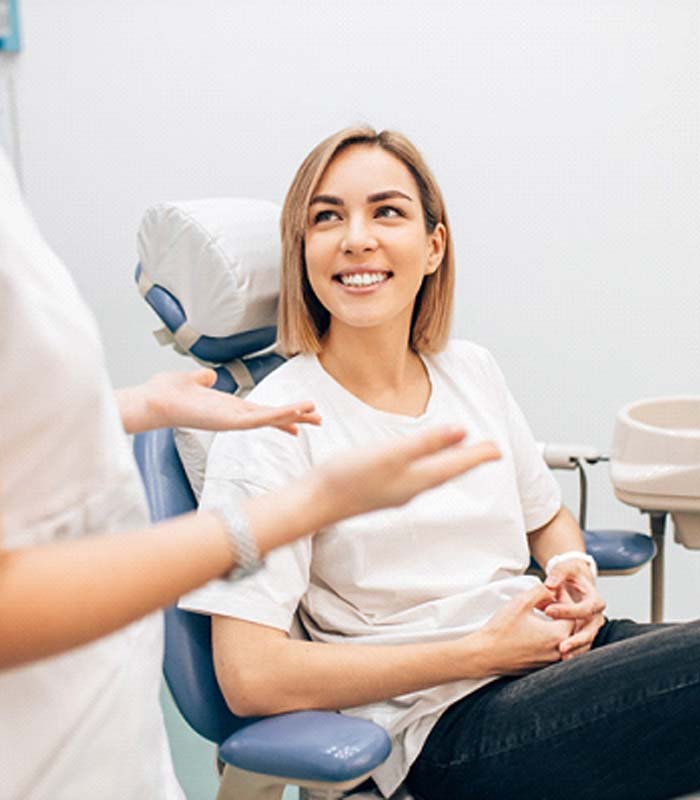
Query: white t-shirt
[[437, 568], [87, 723]]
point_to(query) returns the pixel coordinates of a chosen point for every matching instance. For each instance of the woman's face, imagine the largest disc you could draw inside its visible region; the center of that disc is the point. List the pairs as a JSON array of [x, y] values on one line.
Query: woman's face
[[366, 247]]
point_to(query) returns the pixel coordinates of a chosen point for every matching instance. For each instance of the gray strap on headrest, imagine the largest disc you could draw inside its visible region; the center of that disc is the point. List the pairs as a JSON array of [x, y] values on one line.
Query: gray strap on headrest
[[164, 336], [241, 374], [144, 283], [182, 340], [185, 336]]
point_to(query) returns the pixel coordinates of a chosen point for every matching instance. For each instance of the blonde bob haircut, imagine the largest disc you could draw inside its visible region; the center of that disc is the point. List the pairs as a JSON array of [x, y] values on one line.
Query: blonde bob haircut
[[302, 319]]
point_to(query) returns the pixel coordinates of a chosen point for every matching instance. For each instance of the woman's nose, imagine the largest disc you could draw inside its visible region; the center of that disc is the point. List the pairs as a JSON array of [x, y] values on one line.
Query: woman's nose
[[357, 237]]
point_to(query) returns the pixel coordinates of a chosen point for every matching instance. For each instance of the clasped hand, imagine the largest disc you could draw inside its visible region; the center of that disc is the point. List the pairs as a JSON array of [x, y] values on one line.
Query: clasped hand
[[553, 622], [576, 599]]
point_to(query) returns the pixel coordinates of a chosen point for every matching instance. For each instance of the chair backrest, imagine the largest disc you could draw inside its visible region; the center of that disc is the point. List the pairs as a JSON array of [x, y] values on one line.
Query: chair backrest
[[209, 269], [188, 665]]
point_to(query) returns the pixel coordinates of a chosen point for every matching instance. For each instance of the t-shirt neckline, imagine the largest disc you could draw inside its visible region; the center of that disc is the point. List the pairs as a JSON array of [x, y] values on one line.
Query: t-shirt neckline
[[349, 397]]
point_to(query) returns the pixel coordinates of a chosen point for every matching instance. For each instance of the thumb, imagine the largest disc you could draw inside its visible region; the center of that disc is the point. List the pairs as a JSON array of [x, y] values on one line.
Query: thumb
[[553, 581], [205, 377], [538, 597], [542, 596]]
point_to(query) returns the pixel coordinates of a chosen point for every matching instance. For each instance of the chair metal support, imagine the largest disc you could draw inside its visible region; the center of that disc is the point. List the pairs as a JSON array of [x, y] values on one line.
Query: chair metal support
[[657, 521], [582, 493], [237, 784]]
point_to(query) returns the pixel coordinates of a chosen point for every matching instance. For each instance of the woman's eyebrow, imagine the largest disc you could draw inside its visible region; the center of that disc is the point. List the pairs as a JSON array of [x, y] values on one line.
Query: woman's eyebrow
[[377, 197], [326, 198], [387, 195]]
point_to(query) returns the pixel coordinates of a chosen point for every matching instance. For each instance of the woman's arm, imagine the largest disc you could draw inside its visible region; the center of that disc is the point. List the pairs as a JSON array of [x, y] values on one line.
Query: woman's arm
[[261, 671], [186, 400], [561, 534], [63, 594]]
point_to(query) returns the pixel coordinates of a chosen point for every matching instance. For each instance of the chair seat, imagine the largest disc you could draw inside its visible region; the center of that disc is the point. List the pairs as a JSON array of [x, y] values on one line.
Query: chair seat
[[308, 745], [619, 551]]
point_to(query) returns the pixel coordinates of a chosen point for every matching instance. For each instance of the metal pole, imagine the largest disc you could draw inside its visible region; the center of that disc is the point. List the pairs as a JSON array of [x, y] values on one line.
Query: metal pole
[[658, 533], [582, 494]]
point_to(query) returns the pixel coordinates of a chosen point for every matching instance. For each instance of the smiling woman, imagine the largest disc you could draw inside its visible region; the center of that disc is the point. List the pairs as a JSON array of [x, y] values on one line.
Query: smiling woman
[[389, 195], [423, 618]]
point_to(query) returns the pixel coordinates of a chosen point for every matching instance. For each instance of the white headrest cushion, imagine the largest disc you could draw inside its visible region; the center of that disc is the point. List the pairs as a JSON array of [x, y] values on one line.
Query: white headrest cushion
[[220, 258]]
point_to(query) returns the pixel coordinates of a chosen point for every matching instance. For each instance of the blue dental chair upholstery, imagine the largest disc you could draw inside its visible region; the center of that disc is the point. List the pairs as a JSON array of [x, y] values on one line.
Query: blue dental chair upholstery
[[307, 747]]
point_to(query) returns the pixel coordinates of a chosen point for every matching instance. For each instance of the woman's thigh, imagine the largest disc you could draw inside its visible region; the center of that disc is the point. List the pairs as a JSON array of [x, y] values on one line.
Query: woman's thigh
[[622, 721]]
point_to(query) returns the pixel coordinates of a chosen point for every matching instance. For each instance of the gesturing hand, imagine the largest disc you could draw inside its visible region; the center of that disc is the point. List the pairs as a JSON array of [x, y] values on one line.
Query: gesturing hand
[[392, 474], [576, 599], [186, 399]]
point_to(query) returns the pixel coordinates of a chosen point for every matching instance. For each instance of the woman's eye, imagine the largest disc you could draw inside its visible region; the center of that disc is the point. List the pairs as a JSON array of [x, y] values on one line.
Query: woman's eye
[[389, 211], [325, 216]]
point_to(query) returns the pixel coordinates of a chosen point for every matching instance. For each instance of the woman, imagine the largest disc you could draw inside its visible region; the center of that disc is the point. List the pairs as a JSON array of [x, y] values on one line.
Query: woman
[[86, 723], [422, 618]]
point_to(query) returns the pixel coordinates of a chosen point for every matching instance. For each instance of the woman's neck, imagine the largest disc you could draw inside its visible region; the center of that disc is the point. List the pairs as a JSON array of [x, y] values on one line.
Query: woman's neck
[[378, 367]]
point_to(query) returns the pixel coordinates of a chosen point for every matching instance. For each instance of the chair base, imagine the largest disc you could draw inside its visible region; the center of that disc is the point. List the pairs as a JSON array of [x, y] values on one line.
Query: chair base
[[238, 784]]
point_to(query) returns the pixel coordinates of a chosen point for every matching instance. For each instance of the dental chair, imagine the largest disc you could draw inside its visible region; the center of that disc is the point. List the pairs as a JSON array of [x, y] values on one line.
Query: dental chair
[[209, 270], [323, 752]]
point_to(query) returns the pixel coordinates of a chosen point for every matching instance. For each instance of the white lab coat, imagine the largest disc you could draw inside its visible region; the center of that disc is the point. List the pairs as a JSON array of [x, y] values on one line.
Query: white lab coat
[[87, 723]]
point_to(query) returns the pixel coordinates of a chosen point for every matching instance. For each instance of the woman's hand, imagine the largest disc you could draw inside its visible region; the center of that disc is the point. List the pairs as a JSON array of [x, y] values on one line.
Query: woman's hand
[[356, 483], [520, 638], [577, 599], [186, 400], [392, 474]]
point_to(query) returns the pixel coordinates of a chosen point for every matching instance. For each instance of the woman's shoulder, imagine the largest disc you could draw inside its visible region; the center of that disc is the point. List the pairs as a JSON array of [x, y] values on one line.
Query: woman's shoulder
[[289, 382], [462, 353]]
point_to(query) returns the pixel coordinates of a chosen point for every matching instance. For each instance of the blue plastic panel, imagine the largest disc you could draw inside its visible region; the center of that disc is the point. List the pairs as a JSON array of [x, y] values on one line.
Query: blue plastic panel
[[188, 666], [619, 551], [309, 745], [9, 33], [616, 551]]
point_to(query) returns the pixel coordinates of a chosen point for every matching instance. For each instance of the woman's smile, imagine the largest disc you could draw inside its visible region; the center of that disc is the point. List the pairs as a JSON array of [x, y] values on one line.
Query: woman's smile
[[362, 279]]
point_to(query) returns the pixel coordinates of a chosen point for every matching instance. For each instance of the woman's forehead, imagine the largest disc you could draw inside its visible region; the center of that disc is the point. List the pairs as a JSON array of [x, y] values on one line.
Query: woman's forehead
[[361, 170]]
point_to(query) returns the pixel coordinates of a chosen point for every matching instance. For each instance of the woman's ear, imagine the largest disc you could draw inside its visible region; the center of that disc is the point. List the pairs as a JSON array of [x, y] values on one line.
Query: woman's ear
[[436, 248]]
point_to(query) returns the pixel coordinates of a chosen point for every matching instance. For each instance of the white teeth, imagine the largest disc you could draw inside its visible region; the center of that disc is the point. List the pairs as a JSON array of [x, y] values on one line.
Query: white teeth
[[363, 278]]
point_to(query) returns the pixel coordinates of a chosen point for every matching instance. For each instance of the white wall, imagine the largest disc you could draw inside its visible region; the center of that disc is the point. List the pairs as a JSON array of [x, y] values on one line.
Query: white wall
[[565, 136]]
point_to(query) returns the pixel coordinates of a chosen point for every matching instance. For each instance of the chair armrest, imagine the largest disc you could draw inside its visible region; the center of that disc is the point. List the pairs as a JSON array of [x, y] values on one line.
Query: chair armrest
[[309, 746]]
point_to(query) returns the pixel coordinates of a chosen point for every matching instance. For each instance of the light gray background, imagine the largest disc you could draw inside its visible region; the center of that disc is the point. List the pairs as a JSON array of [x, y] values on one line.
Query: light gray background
[[564, 135]]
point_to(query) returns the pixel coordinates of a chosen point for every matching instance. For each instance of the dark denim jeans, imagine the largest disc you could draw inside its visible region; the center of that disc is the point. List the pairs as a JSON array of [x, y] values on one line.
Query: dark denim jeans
[[622, 721]]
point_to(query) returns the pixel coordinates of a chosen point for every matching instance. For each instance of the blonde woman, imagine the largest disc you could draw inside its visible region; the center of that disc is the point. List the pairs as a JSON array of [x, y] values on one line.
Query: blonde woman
[[422, 618], [80, 568]]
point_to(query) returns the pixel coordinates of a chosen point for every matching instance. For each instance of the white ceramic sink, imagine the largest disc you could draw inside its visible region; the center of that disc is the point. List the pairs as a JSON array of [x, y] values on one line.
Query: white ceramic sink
[[655, 461]]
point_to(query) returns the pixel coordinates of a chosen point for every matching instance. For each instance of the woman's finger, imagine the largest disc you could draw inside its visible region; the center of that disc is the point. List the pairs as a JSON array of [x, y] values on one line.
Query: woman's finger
[[303, 407], [431, 470], [583, 638], [588, 607], [259, 416], [575, 653], [292, 430], [205, 377], [425, 444]]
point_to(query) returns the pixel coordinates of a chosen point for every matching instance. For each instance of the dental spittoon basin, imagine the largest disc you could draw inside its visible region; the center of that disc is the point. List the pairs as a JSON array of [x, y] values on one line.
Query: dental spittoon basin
[[655, 461]]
